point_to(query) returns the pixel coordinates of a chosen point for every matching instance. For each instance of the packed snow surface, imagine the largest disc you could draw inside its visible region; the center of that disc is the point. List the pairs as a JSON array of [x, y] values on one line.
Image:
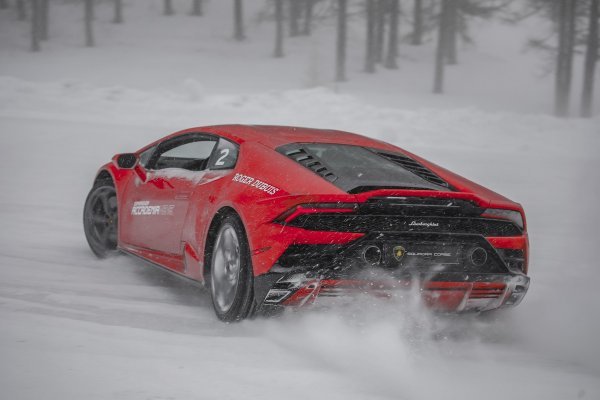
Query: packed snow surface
[[76, 327], [73, 327]]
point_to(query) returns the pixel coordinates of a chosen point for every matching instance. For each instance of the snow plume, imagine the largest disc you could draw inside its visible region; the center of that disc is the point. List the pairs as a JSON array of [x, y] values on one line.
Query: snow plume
[[398, 349]]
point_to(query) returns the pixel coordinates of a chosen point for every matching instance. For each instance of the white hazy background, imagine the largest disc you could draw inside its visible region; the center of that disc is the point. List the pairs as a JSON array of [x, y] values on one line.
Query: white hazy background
[[73, 327]]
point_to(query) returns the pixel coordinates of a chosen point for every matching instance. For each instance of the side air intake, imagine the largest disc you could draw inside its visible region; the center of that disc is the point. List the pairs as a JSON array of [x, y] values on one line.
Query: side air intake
[[414, 167], [302, 157]]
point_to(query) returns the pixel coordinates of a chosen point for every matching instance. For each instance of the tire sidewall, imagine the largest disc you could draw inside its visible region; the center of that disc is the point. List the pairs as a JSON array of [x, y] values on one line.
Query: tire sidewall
[[99, 250], [242, 304]]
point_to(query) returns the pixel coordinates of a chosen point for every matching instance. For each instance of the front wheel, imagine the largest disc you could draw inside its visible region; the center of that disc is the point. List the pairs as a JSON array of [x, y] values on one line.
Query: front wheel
[[231, 277], [100, 219]]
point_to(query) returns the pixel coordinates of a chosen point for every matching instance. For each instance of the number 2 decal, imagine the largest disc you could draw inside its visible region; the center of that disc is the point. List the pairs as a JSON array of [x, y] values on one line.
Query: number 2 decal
[[224, 154]]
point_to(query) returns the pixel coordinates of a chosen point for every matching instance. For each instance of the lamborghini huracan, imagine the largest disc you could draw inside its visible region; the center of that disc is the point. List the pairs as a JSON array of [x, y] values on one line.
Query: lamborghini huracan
[[268, 217]]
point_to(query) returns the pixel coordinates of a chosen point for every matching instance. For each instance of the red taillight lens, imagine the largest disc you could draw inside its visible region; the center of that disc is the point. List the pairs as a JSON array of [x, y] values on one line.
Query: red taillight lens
[[315, 208]]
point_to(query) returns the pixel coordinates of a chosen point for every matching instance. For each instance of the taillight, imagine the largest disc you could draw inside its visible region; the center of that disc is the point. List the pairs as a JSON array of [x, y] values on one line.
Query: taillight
[[510, 215], [315, 208]]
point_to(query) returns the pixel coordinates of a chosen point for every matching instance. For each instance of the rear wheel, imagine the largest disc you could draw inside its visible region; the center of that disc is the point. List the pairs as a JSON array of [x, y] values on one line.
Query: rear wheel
[[100, 219], [231, 277]]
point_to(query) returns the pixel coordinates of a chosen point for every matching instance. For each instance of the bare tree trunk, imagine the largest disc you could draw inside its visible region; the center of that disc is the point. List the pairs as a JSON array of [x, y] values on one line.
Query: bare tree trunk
[[340, 59], [294, 16], [89, 19], [35, 25], [168, 7], [21, 10], [197, 8], [238, 20], [451, 32], [278, 29], [118, 12], [438, 81], [564, 62], [417, 34], [591, 55], [392, 53], [380, 12], [43, 19], [370, 48], [308, 13]]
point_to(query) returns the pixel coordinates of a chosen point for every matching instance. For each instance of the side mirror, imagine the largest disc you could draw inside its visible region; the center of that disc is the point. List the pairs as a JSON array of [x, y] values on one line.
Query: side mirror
[[127, 160]]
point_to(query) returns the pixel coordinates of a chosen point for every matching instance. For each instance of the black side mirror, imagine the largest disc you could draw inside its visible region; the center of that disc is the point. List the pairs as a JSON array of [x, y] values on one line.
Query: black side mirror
[[127, 160]]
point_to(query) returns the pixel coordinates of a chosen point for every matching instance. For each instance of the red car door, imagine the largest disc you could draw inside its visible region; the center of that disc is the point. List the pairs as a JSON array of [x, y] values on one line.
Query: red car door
[[157, 200]]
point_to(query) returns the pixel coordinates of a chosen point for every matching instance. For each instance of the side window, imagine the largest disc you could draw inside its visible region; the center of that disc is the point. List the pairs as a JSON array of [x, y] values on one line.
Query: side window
[[225, 156], [145, 156], [190, 153]]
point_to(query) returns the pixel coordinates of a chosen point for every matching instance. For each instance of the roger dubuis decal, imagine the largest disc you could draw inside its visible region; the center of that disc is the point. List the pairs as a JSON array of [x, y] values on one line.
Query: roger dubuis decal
[[255, 183]]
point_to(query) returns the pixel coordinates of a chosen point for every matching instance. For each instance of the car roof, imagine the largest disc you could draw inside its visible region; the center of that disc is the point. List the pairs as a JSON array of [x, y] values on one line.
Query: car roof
[[274, 136]]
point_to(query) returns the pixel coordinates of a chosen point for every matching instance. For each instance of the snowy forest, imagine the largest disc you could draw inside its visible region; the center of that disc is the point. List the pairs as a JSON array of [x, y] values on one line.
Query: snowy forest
[[571, 32], [501, 92]]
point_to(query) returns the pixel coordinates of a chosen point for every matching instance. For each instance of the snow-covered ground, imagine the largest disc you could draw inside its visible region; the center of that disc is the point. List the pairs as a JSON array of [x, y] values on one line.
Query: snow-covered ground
[[73, 327]]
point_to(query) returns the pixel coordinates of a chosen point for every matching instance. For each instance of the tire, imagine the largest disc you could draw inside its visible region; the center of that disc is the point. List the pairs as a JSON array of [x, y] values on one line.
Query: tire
[[231, 276], [100, 219]]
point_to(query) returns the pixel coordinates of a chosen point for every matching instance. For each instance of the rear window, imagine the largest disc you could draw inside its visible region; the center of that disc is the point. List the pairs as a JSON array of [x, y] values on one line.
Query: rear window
[[357, 169]]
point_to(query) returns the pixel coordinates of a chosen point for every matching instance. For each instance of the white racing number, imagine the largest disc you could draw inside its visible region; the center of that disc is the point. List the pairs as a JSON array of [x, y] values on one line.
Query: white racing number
[[221, 160]]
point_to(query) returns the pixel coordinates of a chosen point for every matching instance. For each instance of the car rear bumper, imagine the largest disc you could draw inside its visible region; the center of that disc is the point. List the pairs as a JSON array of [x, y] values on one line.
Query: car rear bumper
[[445, 293]]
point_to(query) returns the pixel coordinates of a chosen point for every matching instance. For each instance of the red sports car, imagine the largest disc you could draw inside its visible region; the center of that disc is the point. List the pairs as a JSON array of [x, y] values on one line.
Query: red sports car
[[275, 216]]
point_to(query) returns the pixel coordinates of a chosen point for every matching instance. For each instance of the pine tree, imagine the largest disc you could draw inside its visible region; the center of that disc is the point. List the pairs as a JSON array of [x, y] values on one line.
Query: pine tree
[[340, 58], [118, 19], [35, 25], [238, 20], [278, 29], [197, 8], [168, 7], [417, 33], [21, 10], [380, 14], [591, 56], [438, 82], [451, 32], [392, 53], [370, 37], [43, 19], [308, 14], [89, 18], [564, 59], [294, 8]]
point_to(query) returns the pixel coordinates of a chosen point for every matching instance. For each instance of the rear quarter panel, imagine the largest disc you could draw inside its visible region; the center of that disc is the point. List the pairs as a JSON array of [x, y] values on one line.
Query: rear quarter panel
[[262, 186]]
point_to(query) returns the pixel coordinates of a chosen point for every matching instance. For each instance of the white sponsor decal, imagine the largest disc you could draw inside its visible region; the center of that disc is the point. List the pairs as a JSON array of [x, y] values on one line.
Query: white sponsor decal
[[410, 253], [426, 224], [144, 208], [255, 183]]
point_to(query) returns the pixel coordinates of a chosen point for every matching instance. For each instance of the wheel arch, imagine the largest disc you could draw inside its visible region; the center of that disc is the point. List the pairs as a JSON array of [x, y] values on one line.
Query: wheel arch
[[212, 233], [103, 175]]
